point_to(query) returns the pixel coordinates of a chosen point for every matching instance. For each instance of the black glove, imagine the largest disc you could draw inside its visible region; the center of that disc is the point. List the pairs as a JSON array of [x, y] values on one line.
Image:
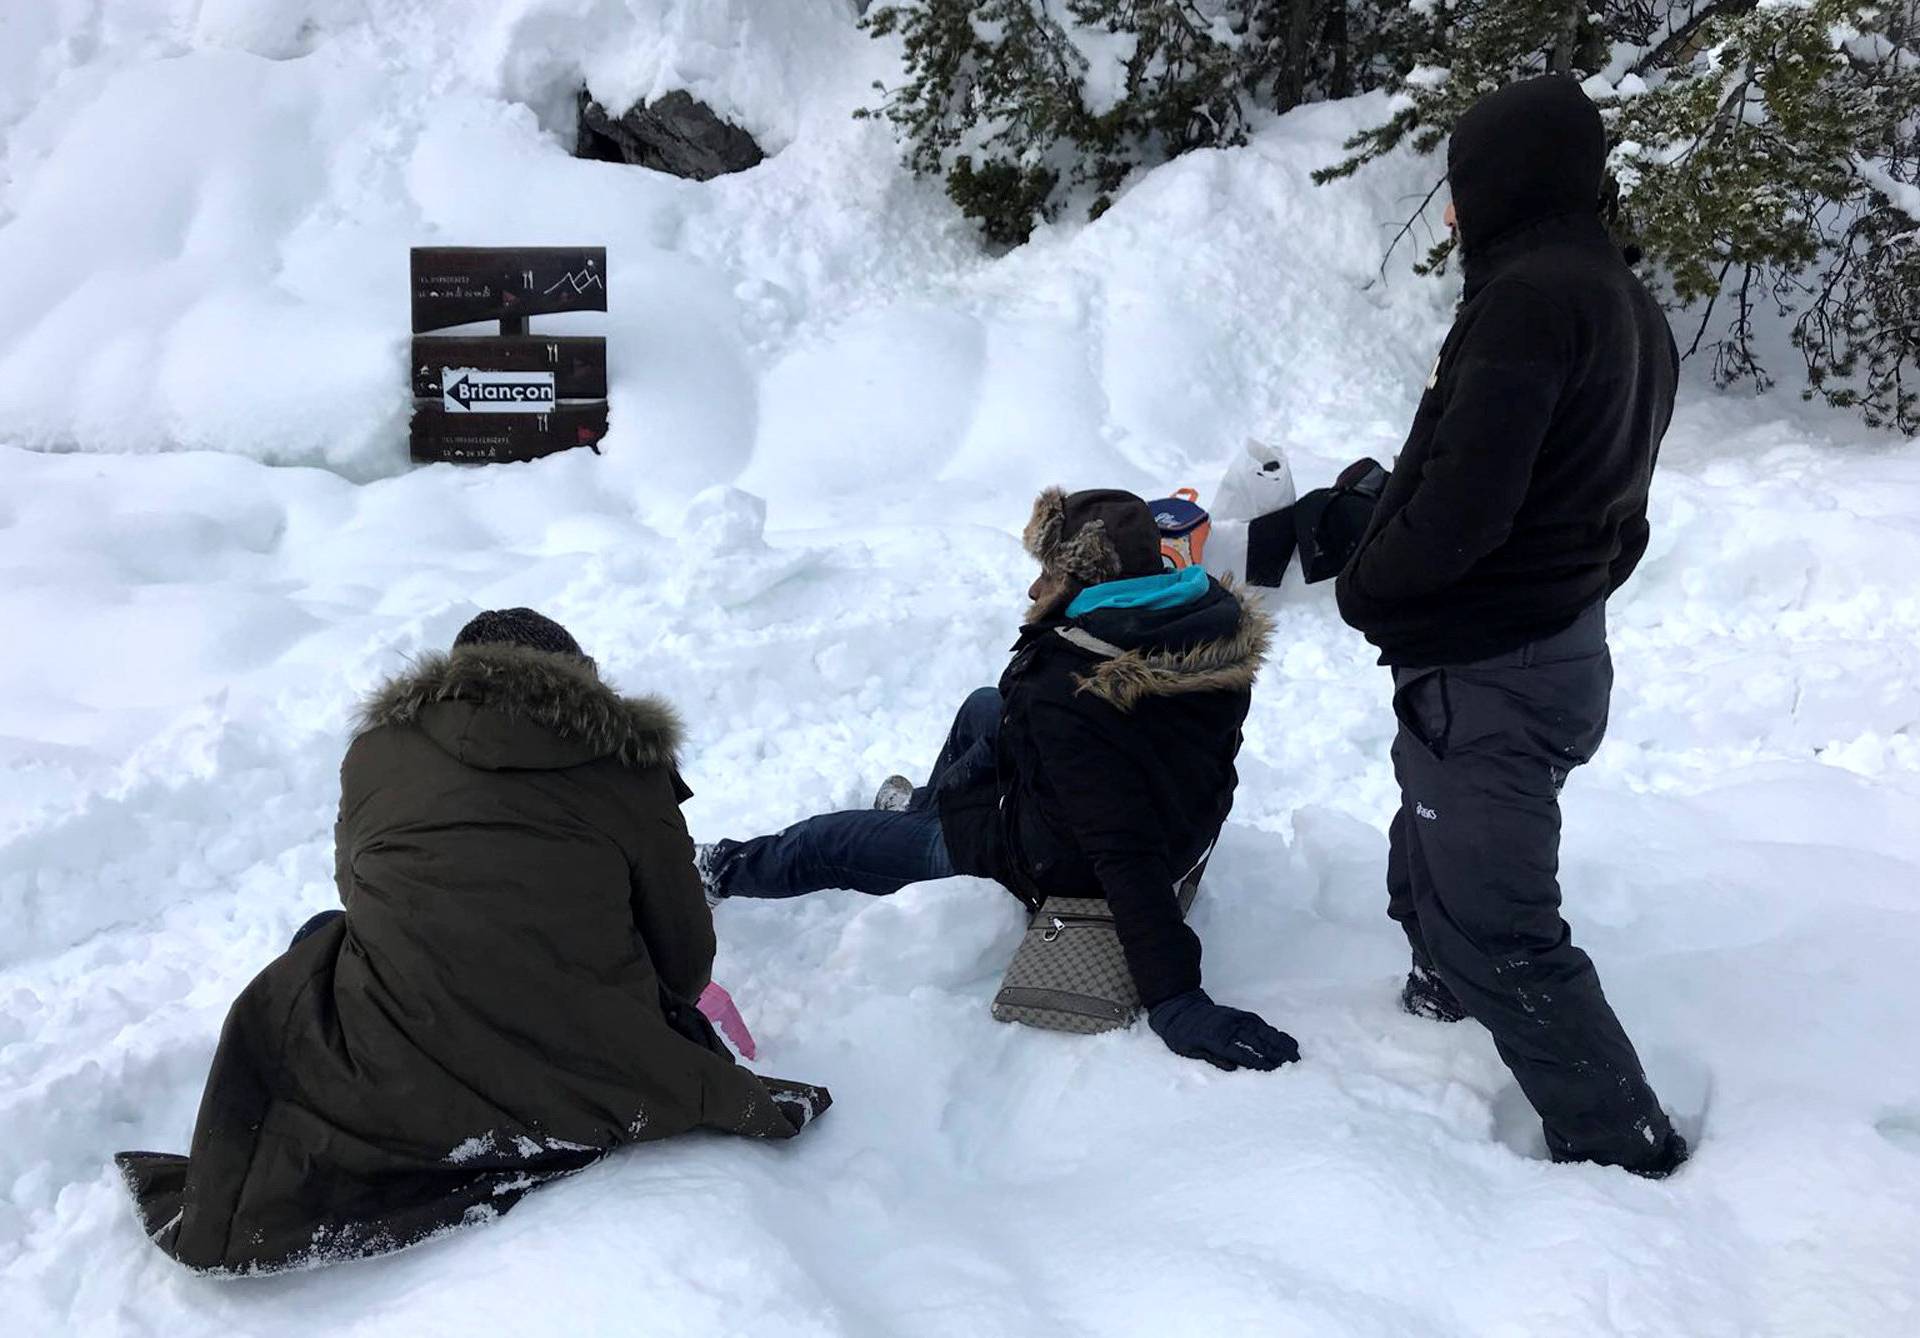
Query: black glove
[[687, 1019], [1195, 1027]]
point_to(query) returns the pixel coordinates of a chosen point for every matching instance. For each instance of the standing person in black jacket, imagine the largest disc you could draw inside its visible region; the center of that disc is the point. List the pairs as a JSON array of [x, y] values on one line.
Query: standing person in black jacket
[[1101, 766], [1519, 504]]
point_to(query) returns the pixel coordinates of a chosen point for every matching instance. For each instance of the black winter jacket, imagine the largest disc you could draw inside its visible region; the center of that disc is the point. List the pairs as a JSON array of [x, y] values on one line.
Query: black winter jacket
[[1115, 768], [1520, 497]]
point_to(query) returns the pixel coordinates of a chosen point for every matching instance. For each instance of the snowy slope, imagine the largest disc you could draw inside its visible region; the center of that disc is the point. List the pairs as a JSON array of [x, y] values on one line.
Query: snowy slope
[[211, 545]]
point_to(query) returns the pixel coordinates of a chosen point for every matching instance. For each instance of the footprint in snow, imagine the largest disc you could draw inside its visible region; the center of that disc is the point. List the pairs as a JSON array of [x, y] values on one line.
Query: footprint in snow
[[1902, 1129]]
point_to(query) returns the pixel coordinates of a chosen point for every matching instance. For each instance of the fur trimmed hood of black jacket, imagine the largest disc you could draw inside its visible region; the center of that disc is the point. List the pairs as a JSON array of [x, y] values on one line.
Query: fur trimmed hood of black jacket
[[561, 694], [1227, 663]]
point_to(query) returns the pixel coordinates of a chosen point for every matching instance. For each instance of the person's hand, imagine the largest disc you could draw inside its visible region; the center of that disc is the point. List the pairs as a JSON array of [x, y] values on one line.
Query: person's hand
[[1195, 1027]]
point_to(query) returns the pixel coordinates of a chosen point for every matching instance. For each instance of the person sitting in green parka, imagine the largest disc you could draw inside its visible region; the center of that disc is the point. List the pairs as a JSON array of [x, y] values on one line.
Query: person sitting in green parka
[[508, 996]]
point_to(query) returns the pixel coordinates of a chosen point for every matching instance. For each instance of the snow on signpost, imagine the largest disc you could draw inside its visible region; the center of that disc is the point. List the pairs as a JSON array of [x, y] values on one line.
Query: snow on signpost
[[514, 395]]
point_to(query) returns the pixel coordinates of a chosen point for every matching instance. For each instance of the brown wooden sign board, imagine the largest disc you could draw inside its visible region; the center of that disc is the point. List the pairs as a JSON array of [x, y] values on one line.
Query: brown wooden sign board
[[461, 285], [482, 438], [579, 365], [481, 399]]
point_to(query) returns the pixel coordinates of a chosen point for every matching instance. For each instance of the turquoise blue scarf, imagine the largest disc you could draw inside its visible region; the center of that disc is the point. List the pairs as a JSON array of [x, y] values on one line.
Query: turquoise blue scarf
[[1168, 590]]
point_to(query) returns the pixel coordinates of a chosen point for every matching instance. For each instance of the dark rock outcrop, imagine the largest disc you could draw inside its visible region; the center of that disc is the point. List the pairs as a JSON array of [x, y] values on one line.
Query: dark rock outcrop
[[676, 134]]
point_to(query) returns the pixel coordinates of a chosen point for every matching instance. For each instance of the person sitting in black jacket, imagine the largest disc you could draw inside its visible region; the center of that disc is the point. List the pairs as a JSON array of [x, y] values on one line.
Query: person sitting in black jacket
[[1517, 506], [1102, 766]]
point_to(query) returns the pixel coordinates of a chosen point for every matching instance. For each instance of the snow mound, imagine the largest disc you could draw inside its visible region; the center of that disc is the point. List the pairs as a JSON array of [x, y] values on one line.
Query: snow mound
[[181, 277]]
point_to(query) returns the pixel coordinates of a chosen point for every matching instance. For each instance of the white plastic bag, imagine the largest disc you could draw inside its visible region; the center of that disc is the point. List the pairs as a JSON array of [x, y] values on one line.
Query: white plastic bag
[[1256, 484]]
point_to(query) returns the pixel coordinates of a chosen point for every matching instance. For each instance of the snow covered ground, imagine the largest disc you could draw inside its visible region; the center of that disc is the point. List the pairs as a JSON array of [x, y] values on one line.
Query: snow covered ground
[[211, 545]]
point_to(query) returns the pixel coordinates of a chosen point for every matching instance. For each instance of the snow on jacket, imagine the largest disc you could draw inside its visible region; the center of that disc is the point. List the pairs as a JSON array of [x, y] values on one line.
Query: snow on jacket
[[1115, 767], [1520, 497], [507, 999]]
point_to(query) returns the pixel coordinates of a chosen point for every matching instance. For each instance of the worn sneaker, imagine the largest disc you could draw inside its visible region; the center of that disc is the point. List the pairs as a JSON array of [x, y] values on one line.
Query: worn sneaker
[[711, 862], [1426, 995], [895, 795]]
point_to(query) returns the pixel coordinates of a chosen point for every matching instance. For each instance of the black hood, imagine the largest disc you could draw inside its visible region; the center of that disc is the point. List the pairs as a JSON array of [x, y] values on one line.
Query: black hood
[[1531, 151], [1212, 617], [1217, 643]]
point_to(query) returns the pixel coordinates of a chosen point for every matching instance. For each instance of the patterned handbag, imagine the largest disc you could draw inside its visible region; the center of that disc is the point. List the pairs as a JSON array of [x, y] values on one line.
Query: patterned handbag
[[1070, 973]]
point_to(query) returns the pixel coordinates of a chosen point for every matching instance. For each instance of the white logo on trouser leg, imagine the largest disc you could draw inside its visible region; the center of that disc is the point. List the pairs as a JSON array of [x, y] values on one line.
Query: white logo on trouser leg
[[1420, 810]]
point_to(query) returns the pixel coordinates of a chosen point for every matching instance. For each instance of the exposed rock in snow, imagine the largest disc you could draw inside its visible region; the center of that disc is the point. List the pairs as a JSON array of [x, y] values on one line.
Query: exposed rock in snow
[[674, 134]]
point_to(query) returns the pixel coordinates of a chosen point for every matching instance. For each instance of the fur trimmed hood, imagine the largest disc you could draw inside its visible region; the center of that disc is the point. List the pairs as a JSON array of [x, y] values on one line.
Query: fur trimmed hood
[[1124, 678], [574, 717]]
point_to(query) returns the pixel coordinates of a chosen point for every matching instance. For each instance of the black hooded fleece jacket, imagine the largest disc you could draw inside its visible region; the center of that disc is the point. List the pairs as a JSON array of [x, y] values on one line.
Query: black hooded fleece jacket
[[1520, 497]]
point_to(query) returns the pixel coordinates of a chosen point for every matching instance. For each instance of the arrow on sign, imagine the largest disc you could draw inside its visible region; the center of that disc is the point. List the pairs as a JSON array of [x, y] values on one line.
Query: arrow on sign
[[466, 390]]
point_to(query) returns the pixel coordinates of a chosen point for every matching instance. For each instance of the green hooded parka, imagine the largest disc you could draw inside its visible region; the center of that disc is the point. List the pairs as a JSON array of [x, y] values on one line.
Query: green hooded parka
[[508, 998]]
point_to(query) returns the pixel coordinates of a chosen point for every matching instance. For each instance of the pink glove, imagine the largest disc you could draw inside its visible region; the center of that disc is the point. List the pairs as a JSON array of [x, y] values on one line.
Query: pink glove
[[718, 1008]]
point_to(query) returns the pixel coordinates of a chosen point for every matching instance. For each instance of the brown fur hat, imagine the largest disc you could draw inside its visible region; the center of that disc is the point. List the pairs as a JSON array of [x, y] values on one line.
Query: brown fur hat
[[1101, 534]]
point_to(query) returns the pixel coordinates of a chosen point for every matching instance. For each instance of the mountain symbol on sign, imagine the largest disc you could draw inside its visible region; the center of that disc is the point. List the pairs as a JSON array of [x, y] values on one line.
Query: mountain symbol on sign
[[579, 281]]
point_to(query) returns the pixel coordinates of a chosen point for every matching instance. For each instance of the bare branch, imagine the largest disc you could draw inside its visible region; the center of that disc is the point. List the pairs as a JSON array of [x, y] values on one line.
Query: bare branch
[[1706, 319], [1413, 219]]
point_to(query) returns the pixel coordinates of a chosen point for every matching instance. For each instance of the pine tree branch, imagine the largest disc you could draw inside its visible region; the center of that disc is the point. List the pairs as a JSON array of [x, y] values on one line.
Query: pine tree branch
[[1676, 41], [1706, 319], [1406, 228]]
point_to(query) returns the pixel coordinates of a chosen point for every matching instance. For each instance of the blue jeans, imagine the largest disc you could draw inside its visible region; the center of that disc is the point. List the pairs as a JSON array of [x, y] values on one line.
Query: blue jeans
[[870, 850]]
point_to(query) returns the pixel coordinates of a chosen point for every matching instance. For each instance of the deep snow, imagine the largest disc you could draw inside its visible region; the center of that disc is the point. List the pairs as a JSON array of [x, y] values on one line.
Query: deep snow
[[211, 546]]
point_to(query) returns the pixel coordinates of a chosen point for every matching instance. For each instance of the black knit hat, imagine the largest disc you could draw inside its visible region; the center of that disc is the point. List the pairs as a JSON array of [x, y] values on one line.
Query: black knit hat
[[1102, 534], [518, 627]]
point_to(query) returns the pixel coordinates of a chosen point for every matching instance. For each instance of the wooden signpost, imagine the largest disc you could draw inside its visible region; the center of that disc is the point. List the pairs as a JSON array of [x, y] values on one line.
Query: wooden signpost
[[514, 395]]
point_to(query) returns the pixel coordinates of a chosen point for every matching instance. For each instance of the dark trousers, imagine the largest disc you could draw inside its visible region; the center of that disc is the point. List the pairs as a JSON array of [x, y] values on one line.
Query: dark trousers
[[870, 850], [1473, 879]]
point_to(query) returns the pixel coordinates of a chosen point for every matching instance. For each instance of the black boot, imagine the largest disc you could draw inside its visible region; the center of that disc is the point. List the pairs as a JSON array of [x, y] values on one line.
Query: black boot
[[1673, 1154], [1426, 995]]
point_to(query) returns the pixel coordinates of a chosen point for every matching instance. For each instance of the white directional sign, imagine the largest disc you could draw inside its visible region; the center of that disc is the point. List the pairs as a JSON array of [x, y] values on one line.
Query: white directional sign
[[468, 390]]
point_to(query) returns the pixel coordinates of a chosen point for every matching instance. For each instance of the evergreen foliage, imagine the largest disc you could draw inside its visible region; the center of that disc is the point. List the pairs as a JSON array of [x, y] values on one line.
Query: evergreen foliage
[[1023, 105], [1449, 55], [1777, 167], [1765, 158], [1766, 150]]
